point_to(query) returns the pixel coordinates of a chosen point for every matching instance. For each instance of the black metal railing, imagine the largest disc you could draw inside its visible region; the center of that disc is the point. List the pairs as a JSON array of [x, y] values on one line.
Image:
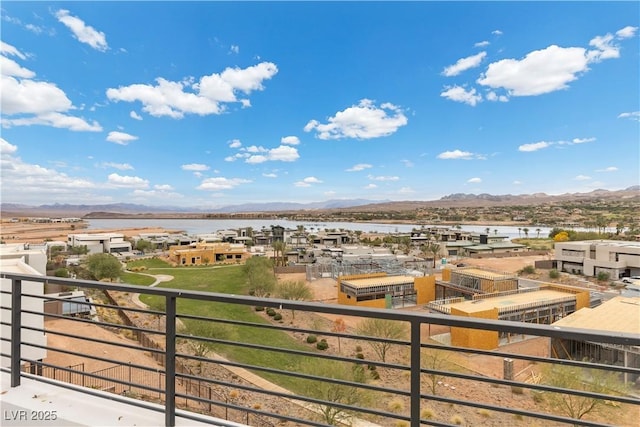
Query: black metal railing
[[403, 379]]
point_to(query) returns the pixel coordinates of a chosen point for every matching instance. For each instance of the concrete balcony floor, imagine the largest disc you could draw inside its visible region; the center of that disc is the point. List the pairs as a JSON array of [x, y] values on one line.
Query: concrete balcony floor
[[23, 405]]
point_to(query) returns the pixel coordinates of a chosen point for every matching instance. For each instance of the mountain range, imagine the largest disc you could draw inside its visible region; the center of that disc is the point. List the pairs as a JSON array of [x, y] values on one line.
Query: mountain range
[[452, 200]]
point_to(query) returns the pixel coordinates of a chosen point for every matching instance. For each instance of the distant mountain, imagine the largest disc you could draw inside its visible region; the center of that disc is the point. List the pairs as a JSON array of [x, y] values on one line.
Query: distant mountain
[[351, 205], [57, 209]]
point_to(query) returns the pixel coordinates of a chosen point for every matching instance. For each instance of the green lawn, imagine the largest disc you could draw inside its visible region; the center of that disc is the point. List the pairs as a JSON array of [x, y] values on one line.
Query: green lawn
[[136, 279], [228, 280]]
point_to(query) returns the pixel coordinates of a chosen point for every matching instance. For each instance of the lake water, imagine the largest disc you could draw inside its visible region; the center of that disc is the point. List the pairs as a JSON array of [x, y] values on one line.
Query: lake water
[[203, 226]]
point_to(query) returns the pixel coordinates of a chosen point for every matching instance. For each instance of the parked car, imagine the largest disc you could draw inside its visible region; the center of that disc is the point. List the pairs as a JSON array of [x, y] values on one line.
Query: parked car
[[633, 280]]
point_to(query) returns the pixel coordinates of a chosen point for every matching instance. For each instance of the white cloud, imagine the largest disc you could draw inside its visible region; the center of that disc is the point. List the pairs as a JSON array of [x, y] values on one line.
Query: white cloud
[[163, 187], [362, 121], [135, 115], [582, 178], [270, 175], [609, 169], [464, 64], [492, 96], [157, 193], [582, 140], [370, 186], [82, 32], [290, 140], [460, 94], [6, 147], [407, 163], [633, 115], [255, 154], [221, 183], [535, 146], [234, 49], [235, 143], [626, 32], [307, 182], [516, 182], [541, 71], [283, 153], [359, 167], [475, 180], [120, 166], [7, 49], [483, 43], [127, 181], [383, 178], [30, 183], [207, 96], [34, 102], [120, 138], [496, 32], [406, 190], [195, 167], [456, 155]]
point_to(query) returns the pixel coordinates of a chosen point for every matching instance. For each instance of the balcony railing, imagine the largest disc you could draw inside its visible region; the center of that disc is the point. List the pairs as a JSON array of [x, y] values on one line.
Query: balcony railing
[[403, 380]]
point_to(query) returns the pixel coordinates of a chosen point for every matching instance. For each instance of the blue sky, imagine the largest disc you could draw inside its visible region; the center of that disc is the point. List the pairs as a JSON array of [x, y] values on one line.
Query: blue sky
[[210, 104]]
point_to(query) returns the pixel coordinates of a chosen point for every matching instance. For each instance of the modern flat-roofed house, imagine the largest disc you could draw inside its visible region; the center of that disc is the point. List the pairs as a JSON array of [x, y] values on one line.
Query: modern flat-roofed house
[[110, 243], [591, 257], [618, 315], [544, 305], [28, 336], [34, 257], [208, 253], [384, 291]]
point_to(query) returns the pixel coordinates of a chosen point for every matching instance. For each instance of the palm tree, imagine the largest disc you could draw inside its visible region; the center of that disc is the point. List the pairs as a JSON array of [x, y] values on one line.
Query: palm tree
[[538, 233], [519, 230], [526, 232]]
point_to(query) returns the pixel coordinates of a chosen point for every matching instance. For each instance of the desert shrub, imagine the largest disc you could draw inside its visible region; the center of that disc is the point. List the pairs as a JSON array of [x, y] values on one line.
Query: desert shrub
[[61, 272], [358, 349], [271, 312], [554, 274], [311, 339], [603, 276], [484, 412], [278, 316], [375, 375], [395, 405], [529, 269], [360, 356], [427, 413], [457, 419], [322, 345], [259, 308]]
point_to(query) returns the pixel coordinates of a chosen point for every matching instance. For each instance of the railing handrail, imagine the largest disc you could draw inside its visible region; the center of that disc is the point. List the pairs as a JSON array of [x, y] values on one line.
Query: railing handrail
[[20, 284], [609, 337]]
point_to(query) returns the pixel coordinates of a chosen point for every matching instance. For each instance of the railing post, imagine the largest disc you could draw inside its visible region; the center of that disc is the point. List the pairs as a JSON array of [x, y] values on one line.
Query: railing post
[[415, 373], [16, 330], [170, 362]]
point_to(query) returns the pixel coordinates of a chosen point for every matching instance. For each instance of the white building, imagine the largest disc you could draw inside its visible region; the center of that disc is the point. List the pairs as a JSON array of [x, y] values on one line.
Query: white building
[[11, 262], [110, 243], [592, 257], [34, 256]]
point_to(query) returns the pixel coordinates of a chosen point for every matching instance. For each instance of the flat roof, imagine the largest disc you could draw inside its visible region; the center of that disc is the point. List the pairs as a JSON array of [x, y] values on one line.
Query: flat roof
[[378, 281], [619, 314], [503, 302], [484, 274]]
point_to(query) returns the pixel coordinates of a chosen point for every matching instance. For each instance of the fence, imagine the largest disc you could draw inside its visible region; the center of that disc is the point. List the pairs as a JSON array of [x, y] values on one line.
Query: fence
[[407, 365]]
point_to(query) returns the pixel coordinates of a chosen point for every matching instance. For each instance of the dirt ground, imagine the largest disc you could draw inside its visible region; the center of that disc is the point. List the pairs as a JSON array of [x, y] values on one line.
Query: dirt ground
[[27, 232]]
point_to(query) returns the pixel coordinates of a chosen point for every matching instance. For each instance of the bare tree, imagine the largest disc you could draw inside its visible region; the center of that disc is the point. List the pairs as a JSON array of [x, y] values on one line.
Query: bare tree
[[580, 379], [382, 328]]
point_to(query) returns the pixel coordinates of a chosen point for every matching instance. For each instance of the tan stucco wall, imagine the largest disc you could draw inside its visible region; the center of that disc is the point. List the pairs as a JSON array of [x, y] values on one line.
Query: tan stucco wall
[[475, 338]]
